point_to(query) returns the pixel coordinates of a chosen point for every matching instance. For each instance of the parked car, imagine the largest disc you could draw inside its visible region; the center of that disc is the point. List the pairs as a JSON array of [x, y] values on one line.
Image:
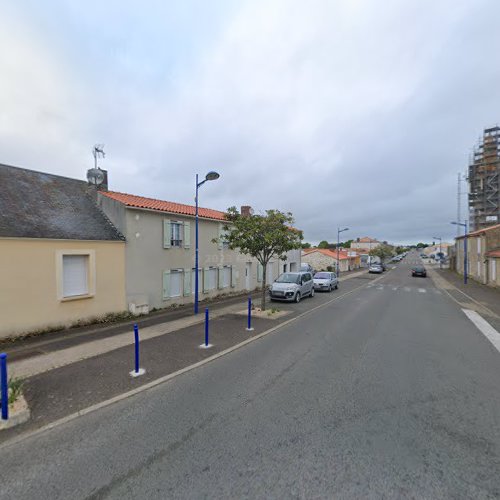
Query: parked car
[[375, 269], [325, 281], [419, 271], [292, 287]]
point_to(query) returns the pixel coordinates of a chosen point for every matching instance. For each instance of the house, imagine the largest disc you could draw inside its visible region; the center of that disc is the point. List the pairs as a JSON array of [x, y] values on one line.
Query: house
[[323, 258], [62, 259], [433, 250], [160, 252], [364, 245], [483, 249]]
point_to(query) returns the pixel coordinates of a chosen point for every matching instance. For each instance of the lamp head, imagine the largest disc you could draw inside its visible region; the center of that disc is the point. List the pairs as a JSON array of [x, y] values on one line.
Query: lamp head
[[212, 176]]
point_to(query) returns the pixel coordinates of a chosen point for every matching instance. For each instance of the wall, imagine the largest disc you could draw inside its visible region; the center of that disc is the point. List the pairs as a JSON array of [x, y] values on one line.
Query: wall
[[29, 295], [320, 261]]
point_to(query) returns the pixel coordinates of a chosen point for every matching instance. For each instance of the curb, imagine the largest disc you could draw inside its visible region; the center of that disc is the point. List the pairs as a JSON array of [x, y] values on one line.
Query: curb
[[170, 376]]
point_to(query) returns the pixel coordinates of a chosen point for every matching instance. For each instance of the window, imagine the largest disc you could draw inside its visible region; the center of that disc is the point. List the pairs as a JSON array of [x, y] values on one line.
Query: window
[[212, 278], [175, 283], [176, 234], [75, 275], [226, 280]]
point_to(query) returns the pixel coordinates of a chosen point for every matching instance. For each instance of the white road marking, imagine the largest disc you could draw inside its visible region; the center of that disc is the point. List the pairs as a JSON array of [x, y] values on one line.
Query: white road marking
[[394, 288], [422, 290], [380, 287], [438, 292], [484, 327], [407, 289]]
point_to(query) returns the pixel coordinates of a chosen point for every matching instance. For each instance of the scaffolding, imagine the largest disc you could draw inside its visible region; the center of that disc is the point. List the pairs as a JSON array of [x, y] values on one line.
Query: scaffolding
[[484, 181]]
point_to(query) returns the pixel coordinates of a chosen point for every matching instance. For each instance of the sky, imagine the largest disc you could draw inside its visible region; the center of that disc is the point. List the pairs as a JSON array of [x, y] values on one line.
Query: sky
[[347, 113]]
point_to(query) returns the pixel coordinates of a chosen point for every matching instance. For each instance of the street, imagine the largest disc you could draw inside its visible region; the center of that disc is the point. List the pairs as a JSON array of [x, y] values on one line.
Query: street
[[388, 392]]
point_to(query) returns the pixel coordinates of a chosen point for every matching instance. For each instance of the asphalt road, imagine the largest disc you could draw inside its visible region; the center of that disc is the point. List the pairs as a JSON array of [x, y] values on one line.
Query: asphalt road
[[389, 392]]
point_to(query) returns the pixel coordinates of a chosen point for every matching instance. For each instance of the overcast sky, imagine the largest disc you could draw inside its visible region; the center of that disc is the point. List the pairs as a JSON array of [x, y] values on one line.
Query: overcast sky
[[353, 113]]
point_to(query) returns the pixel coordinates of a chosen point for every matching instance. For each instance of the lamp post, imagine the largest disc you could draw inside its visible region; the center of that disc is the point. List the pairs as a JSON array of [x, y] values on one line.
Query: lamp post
[[211, 176], [440, 251], [464, 225], [338, 243]]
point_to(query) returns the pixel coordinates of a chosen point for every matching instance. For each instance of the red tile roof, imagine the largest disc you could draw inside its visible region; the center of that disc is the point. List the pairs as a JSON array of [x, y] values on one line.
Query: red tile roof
[[494, 253], [328, 253], [131, 200], [480, 231], [366, 239]]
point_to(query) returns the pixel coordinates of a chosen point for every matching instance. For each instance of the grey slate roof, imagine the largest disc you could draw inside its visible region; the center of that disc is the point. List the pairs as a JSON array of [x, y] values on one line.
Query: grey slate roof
[[39, 205]]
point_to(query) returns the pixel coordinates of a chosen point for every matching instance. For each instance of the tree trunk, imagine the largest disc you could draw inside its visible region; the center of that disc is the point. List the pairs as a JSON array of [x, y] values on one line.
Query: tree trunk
[[263, 298]]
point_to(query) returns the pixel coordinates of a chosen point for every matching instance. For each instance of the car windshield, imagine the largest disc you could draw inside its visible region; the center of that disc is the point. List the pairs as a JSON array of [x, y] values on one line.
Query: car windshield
[[288, 278], [418, 268], [324, 276]]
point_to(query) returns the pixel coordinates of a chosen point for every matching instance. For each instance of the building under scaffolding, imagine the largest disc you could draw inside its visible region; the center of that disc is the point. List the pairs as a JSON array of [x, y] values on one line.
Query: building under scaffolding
[[484, 181]]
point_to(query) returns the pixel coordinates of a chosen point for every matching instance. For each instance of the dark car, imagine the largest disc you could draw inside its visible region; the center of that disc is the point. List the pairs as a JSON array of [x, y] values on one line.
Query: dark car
[[419, 271]]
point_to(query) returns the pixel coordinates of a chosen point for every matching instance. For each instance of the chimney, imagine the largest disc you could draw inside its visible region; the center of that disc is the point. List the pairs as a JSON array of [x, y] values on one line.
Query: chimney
[[246, 211]]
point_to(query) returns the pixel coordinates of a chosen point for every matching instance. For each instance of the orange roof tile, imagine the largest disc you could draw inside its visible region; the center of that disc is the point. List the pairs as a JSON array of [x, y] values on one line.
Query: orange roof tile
[[131, 200], [329, 253], [479, 231], [494, 253]]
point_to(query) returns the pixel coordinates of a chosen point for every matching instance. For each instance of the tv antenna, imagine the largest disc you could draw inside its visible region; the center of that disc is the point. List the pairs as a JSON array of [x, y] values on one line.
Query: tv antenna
[[98, 152]]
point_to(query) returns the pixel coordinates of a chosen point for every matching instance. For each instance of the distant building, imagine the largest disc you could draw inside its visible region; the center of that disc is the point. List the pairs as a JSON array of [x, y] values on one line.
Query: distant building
[[322, 258], [364, 245], [484, 181]]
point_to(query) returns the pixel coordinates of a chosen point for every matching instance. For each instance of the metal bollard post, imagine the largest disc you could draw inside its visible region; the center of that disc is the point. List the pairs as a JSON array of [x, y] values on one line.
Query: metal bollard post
[[249, 327], [137, 370], [5, 386], [206, 345]]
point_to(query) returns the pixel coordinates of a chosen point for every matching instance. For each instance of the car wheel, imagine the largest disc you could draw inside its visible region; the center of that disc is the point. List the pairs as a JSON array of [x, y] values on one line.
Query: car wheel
[[297, 297], [329, 288], [312, 293], [337, 286]]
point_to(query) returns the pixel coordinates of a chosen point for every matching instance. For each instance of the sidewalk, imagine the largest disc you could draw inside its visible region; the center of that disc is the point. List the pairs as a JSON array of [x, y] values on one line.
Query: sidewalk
[[64, 380], [474, 295]]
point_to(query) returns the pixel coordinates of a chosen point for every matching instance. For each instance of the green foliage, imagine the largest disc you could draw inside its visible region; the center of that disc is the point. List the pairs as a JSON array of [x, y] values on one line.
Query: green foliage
[[262, 236], [422, 245], [330, 269], [306, 245], [382, 252], [323, 244], [15, 389]]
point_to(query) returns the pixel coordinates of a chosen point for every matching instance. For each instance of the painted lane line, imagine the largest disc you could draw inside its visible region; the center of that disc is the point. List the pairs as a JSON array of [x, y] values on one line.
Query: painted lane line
[[407, 289], [422, 290], [484, 327]]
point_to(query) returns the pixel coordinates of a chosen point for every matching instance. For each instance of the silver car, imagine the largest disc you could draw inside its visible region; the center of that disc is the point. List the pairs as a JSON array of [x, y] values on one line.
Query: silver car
[[292, 287], [325, 282]]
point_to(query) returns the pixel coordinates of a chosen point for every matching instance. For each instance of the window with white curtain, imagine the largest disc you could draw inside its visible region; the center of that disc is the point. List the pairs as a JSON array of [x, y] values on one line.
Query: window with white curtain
[[75, 271], [212, 278], [176, 277], [226, 276]]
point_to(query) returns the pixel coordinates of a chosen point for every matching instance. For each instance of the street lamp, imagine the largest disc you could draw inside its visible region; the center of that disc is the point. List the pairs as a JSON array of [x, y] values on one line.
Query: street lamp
[[338, 243], [211, 176], [464, 225], [440, 252]]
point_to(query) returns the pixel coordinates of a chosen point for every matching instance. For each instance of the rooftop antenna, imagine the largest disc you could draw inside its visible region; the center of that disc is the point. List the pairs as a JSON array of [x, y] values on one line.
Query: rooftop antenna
[[98, 152]]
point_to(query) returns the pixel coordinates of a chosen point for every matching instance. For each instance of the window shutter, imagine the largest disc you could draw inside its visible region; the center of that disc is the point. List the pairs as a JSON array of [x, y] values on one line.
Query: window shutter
[[259, 272], [166, 233], [166, 284], [233, 277], [187, 282], [206, 271], [187, 234], [75, 275], [220, 274]]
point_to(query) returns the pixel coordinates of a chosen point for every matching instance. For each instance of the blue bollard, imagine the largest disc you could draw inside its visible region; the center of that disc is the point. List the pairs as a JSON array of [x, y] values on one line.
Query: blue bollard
[[206, 327], [249, 327], [137, 370], [5, 386], [136, 335]]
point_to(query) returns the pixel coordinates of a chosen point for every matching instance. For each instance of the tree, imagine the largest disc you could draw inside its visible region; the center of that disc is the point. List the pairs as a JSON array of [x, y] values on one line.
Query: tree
[[382, 252], [305, 245], [323, 244], [263, 237]]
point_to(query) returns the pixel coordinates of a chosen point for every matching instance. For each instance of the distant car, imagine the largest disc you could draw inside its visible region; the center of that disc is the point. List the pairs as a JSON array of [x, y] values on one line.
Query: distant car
[[325, 282], [292, 287], [375, 269], [419, 271]]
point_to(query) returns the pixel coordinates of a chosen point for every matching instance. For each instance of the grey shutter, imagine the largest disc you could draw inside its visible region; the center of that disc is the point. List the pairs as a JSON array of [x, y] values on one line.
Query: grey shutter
[[187, 282], [166, 233], [166, 284], [187, 235]]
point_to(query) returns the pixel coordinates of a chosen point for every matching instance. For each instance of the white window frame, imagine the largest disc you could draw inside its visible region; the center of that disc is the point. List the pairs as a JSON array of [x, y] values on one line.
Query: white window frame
[[177, 242], [91, 274]]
